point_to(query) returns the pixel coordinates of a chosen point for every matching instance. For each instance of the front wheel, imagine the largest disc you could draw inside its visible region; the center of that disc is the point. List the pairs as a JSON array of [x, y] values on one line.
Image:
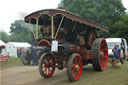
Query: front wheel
[[47, 65], [24, 59], [74, 67]]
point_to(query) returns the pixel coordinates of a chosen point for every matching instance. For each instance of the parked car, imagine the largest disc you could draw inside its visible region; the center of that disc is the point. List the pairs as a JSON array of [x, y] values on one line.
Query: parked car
[[111, 42]]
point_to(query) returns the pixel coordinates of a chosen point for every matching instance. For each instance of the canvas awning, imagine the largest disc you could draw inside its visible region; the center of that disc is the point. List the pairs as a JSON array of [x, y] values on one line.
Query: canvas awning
[[53, 12], [2, 43]]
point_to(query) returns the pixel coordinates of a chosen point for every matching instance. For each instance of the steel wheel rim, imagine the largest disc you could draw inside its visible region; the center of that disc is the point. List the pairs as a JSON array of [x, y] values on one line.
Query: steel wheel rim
[[103, 55], [76, 68], [48, 65]]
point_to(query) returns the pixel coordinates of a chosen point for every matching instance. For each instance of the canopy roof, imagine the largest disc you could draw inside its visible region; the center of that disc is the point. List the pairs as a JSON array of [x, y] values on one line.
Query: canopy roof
[[2, 43], [19, 44], [69, 15]]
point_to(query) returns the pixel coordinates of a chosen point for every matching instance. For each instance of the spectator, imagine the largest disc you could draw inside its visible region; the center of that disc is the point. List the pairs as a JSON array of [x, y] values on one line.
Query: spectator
[[116, 59], [28, 56], [34, 56], [22, 50], [19, 52]]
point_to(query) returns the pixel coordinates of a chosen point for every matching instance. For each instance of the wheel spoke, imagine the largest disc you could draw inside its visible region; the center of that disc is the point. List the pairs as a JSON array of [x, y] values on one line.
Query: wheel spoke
[[79, 63], [102, 45], [49, 58], [75, 61], [46, 72], [44, 69], [73, 67], [104, 49], [73, 73], [49, 70], [76, 74]]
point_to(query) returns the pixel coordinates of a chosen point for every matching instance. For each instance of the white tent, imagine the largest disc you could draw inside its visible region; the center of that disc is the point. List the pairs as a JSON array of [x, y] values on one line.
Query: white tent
[[11, 47], [2, 43]]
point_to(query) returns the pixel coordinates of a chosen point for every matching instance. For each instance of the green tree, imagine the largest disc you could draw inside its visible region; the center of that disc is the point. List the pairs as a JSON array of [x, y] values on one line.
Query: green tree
[[104, 12], [20, 32], [19, 26], [4, 36], [120, 27]]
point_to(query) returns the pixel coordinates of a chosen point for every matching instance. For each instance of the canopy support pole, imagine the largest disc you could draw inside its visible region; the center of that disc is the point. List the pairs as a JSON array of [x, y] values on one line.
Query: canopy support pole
[[59, 26], [37, 28], [74, 27], [52, 27], [31, 29]]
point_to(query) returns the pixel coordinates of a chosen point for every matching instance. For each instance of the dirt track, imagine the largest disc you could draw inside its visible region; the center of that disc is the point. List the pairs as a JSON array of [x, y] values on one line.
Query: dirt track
[[29, 75]]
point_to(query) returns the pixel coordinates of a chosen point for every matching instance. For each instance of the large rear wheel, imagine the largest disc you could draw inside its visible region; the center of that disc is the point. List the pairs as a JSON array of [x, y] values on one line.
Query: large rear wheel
[[47, 65], [74, 67], [100, 54]]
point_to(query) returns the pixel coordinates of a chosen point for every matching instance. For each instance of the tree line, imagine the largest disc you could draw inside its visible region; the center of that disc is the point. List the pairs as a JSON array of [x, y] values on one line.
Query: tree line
[[110, 13], [19, 32]]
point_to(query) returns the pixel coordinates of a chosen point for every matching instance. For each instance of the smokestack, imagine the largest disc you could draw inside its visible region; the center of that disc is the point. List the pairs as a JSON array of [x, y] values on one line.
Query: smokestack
[[61, 5], [62, 8]]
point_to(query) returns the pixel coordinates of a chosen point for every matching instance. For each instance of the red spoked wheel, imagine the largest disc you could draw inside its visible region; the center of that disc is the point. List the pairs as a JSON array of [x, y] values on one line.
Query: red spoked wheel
[[74, 67], [47, 65], [100, 54]]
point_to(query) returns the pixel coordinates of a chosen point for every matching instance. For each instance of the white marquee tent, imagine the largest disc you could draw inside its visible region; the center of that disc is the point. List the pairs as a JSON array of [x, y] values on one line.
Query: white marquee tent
[[11, 47], [2, 43]]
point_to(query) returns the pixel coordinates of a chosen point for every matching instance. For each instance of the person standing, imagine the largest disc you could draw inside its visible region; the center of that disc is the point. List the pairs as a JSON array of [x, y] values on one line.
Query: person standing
[[18, 52], [34, 56], [117, 53], [116, 58], [28, 56], [22, 50]]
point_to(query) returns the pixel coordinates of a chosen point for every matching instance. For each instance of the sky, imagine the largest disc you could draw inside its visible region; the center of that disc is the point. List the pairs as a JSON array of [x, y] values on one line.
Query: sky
[[11, 10]]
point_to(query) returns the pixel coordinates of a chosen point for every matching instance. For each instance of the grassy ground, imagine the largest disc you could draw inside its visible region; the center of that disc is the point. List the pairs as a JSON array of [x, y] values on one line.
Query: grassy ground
[[111, 76], [12, 62]]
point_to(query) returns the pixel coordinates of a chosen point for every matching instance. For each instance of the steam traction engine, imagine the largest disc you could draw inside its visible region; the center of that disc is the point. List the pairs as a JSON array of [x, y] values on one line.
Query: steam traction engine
[[67, 40]]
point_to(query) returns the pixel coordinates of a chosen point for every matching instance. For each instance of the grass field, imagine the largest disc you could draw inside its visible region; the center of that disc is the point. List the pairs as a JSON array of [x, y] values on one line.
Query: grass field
[[12, 62], [111, 76]]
